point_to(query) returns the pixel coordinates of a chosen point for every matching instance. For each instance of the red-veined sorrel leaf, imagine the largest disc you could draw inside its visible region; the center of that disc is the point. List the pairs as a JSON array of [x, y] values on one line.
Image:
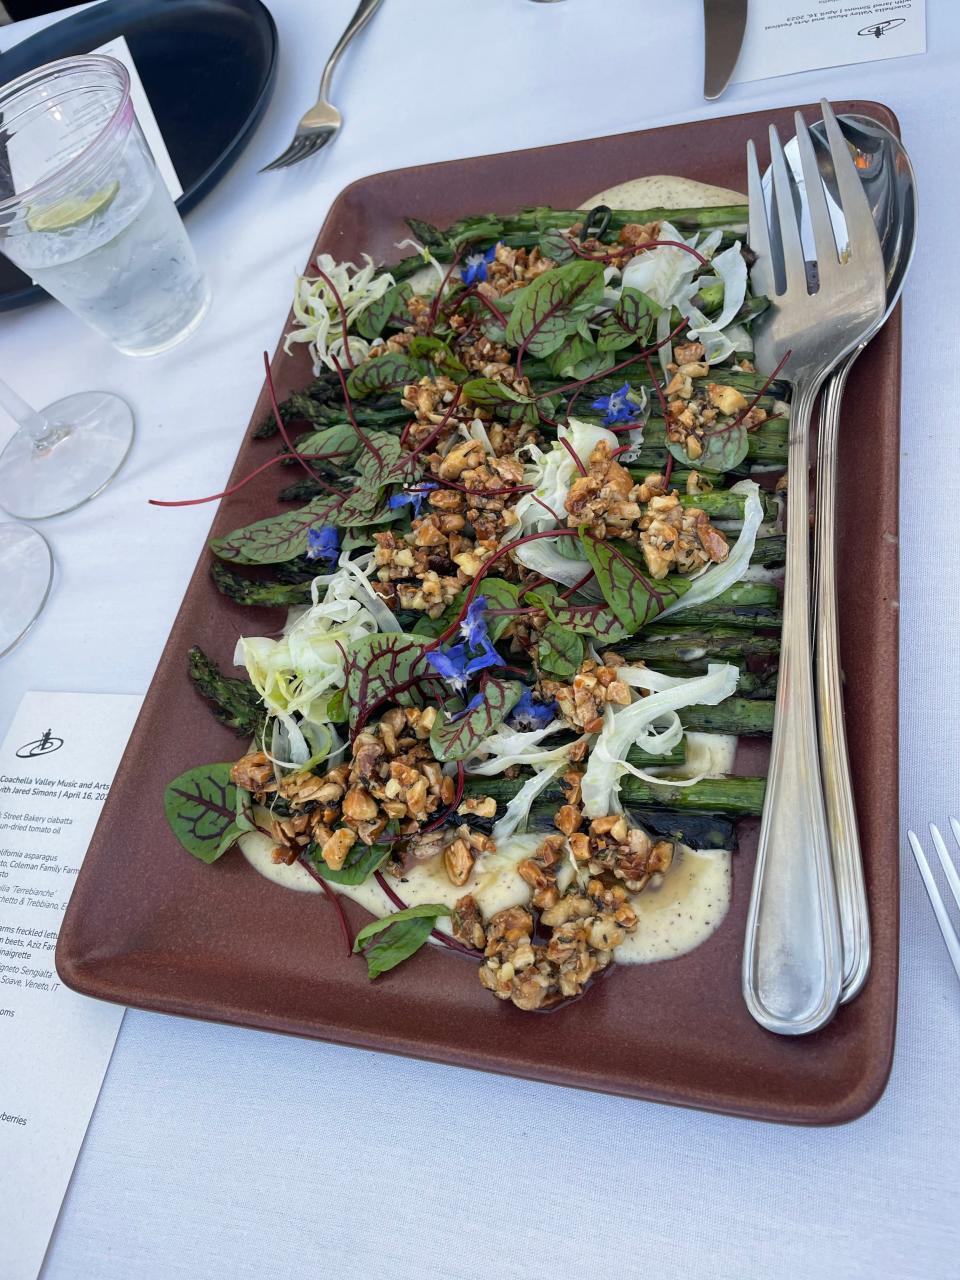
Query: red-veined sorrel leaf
[[384, 373], [278, 538], [372, 321], [340, 442], [560, 651], [595, 620], [549, 308], [490, 394], [201, 808], [379, 664], [634, 597], [724, 448], [439, 354], [454, 739], [630, 321]]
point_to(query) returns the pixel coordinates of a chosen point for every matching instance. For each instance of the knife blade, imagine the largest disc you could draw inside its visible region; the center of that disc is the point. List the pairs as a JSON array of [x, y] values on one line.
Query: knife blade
[[724, 22]]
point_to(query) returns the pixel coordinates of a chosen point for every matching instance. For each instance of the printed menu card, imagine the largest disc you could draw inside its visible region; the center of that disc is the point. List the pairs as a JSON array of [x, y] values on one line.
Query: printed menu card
[[56, 766]]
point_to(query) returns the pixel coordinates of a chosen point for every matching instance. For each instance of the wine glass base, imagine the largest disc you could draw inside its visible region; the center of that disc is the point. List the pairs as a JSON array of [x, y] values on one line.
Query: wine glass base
[[26, 573], [91, 435]]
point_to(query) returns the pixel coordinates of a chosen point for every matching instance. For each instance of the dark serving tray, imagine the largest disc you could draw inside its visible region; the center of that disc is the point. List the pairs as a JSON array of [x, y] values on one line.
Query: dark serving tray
[[207, 66], [149, 926]]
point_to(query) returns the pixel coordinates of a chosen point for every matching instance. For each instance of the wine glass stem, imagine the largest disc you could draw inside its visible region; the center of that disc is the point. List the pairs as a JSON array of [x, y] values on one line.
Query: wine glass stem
[[35, 424]]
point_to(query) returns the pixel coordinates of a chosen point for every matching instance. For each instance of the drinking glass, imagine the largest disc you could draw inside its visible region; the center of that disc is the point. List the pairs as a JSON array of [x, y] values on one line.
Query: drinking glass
[[26, 572], [84, 211]]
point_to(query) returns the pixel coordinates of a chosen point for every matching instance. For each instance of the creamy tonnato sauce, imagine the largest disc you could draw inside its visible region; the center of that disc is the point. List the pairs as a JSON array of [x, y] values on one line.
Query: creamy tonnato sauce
[[690, 901]]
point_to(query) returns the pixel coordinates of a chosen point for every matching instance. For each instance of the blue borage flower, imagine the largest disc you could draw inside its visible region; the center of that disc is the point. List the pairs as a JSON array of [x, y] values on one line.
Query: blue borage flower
[[323, 543], [459, 662], [414, 497], [529, 714], [619, 406], [475, 265]]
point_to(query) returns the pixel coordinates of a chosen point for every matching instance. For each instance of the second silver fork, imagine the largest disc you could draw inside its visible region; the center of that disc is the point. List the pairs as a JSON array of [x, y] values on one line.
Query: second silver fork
[[792, 965]]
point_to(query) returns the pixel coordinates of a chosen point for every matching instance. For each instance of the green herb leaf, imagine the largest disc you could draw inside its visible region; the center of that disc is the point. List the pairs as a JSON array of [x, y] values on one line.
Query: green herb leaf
[[454, 739], [579, 358], [372, 321], [384, 373], [399, 936], [278, 538], [550, 308], [439, 354], [598, 621], [560, 651], [724, 448], [634, 597], [554, 244], [490, 394], [378, 664], [631, 320], [201, 808], [499, 595], [361, 862], [340, 443]]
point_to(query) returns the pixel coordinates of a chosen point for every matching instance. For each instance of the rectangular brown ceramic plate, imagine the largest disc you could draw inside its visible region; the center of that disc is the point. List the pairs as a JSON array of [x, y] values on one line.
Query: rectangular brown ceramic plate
[[151, 927]]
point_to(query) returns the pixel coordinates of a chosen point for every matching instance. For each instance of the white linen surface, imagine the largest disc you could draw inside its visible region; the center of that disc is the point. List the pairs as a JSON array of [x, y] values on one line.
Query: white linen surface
[[221, 1152]]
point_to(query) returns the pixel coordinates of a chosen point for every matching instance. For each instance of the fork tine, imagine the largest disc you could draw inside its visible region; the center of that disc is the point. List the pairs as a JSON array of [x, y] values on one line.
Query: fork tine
[[864, 243], [933, 893], [828, 259], [783, 190], [285, 157], [949, 870], [761, 273]]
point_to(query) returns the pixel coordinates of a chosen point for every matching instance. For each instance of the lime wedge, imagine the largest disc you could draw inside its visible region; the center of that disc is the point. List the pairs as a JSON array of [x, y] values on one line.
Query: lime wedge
[[71, 213]]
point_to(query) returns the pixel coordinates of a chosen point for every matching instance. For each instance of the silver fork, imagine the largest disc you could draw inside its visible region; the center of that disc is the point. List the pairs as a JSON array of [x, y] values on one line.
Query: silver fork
[[953, 880], [322, 122], [793, 960]]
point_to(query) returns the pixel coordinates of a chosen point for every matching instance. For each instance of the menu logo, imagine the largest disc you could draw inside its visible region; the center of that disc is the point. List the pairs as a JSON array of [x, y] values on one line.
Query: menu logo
[[881, 28], [42, 746]]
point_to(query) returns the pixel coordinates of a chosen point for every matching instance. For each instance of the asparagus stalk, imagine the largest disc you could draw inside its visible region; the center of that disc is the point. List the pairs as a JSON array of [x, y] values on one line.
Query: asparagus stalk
[[696, 644], [746, 717], [736, 797], [723, 504], [542, 218], [235, 702], [696, 830], [250, 591]]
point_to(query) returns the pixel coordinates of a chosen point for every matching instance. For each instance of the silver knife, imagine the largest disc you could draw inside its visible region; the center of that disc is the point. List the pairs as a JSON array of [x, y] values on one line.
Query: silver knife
[[724, 22]]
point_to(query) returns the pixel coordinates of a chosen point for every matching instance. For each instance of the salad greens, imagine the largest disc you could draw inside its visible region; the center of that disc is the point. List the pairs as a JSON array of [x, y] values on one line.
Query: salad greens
[[531, 553]]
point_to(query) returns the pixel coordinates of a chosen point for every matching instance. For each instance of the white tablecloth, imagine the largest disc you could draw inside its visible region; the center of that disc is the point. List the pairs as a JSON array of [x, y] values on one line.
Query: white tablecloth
[[216, 1152]]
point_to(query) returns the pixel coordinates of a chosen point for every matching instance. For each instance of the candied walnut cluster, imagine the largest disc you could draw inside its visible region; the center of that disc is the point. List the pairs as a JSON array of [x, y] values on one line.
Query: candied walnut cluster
[[582, 701], [631, 238], [425, 569], [676, 537], [392, 777], [430, 400], [585, 926], [491, 360], [606, 499], [512, 269], [612, 846], [489, 501], [695, 406], [609, 503]]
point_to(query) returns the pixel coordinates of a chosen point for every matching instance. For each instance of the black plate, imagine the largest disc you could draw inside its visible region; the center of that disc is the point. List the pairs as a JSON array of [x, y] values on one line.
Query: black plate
[[207, 66]]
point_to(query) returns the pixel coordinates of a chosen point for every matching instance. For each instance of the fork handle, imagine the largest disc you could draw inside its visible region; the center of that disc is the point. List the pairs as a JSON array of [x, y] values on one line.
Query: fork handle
[[365, 11], [834, 761], [792, 961]]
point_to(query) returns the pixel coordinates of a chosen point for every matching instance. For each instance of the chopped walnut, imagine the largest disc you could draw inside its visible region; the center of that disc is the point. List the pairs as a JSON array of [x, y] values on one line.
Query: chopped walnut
[[613, 846], [512, 269], [467, 923], [582, 702], [674, 537], [392, 777], [585, 928], [254, 772]]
